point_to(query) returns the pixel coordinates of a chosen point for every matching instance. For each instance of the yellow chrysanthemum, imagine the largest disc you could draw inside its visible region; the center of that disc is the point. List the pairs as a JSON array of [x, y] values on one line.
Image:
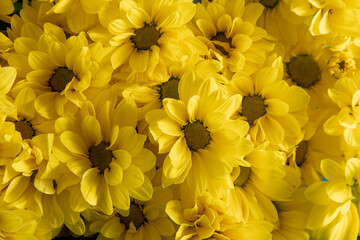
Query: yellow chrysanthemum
[[279, 20], [275, 111], [145, 35], [335, 211], [144, 220], [207, 219], [255, 187], [30, 182], [228, 29], [329, 16], [102, 148], [151, 97], [345, 123], [202, 142], [61, 71], [17, 223]]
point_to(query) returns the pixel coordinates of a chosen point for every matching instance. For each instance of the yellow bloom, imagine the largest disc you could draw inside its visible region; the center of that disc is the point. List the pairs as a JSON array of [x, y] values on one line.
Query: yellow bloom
[[231, 35], [144, 220], [145, 35], [335, 201], [102, 148], [60, 71], [202, 142], [345, 123], [274, 110]]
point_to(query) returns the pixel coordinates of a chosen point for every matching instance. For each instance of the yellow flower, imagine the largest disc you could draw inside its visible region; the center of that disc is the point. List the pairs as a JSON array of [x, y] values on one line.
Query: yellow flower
[[335, 200], [102, 148], [151, 97], [145, 35], [17, 223], [232, 36], [274, 110], [60, 71], [202, 142], [255, 187], [144, 220], [345, 123]]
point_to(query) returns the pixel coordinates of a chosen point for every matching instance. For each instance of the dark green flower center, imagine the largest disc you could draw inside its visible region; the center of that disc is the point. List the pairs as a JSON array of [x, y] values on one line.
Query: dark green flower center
[[243, 176], [196, 135], [146, 36], [222, 43], [61, 78], [136, 216], [304, 71], [269, 3], [253, 107], [169, 89], [100, 157], [301, 151], [25, 128]]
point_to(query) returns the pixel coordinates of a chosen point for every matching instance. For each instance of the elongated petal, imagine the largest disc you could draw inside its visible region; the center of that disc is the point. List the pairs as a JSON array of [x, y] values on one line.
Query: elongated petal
[[89, 186]]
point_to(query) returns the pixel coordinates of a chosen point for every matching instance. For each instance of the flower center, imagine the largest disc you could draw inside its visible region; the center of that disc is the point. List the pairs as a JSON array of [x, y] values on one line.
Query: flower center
[[25, 128], [146, 36], [222, 43], [304, 71], [253, 107], [61, 78], [169, 89], [243, 176], [301, 152], [100, 157], [196, 135], [341, 65], [269, 3], [355, 191], [136, 216]]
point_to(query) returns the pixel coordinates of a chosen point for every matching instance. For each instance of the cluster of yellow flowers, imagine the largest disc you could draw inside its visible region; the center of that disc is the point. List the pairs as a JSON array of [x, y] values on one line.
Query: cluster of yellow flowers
[[180, 119]]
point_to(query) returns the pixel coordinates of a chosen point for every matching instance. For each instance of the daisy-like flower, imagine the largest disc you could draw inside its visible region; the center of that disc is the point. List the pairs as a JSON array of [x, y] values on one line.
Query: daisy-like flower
[[59, 70], [30, 180], [279, 20], [307, 66], [151, 97], [202, 142], [232, 36], [207, 219], [102, 148], [274, 110], [80, 15], [144, 35], [144, 220], [17, 223], [254, 188], [346, 95], [334, 214], [335, 17], [342, 64]]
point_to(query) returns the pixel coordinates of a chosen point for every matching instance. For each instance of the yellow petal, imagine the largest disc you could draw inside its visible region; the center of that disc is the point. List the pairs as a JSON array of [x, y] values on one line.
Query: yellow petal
[[16, 188], [104, 201], [333, 127], [339, 191], [176, 110], [138, 17], [331, 170], [74, 143], [207, 28], [170, 127], [45, 105], [274, 132], [9, 222], [90, 186], [139, 60], [120, 197], [40, 60], [57, 53], [122, 158], [180, 154], [144, 192], [114, 174], [133, 177], [25, 103], [7, 76], [91, 130], [121, 55], [112, 228], [276, 107], [145, 160]]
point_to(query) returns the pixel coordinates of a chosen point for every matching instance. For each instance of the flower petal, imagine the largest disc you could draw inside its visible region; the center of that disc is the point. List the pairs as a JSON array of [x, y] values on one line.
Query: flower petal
[[74, 143], [90, 186]]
